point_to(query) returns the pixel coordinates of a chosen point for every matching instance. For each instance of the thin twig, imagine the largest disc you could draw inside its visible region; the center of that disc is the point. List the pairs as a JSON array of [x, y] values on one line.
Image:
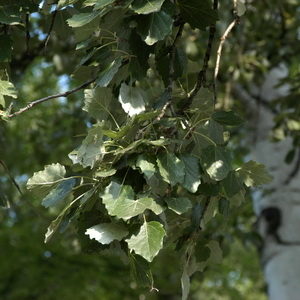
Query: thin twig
[[38, 212], [45, 42], [295, 170], [39, 101], [12, 179], [171, 72], [201, 78], [27, 32], [224, 37], [220, 48]]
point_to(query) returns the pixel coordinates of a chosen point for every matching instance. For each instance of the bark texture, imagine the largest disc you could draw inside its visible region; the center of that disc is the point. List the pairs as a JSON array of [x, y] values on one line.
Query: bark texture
[[278, 208]]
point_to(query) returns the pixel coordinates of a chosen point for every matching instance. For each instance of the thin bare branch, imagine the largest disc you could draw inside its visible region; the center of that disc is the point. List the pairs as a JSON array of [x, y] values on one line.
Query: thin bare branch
[[220, 48], [39, 101], [27, 32], [171, 72], [201, 78], [45, 42]]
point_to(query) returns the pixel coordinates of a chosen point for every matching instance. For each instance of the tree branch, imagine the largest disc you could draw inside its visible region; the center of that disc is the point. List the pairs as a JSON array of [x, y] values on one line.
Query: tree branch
[[171, 71], [224, 37], [45, 42], [39, 101], [201, 78]]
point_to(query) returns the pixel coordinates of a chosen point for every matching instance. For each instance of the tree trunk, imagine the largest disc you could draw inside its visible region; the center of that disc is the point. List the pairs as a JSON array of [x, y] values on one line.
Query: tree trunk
[[278, 208]]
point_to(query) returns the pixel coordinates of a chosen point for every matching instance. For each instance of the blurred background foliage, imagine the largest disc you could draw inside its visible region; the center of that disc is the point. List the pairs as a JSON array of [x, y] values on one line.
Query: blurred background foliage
[[29, 269]]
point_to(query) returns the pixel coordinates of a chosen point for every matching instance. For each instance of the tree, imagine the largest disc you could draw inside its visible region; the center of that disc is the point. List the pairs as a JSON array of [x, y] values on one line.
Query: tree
[[162, 170]]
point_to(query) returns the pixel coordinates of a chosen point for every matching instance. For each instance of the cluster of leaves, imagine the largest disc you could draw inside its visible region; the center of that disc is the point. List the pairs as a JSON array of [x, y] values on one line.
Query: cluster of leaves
[[152, 171]]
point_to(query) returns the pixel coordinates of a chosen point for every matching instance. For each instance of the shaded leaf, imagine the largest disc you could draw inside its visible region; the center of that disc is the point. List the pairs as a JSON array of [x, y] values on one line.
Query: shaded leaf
[[106, 76], [192, 173], [6, 48], [155, 27], [146, 6], [227, 118], [254, 174], [59, 193], [199, 14], [171, 168], [82, 19], [148, 241], [97, 102], [179, 205], [232, 184], [91, 149]]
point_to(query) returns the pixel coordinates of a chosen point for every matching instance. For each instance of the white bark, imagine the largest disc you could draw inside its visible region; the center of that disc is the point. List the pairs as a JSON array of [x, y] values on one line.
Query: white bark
[[280, 261]]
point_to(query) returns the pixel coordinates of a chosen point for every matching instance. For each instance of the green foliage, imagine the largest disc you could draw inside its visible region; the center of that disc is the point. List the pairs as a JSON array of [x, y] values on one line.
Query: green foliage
[[157, 174]]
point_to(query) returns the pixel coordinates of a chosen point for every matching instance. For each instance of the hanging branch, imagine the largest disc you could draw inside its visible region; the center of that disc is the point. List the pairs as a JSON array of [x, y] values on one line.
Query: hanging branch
[[223, 39], [171, 72], [37, 211], [39, 101], [294, 171], [201, 78], [45, 42], [27, 32]]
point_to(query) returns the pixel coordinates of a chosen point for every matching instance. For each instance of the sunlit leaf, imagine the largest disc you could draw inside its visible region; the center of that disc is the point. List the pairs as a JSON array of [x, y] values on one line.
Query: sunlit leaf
[[148, 241], [105, 233], [131, 99]]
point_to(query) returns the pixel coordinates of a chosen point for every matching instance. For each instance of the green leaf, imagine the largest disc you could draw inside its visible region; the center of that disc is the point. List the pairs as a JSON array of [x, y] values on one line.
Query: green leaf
[[216, 161], [171, 168], [98, 3], [293, 125], [146, 6], [59, 193], [61, 222], [91, 149], [210, 210], [131, 99], [10, 14], [119, 201], [7, 89], [43, 181], [6, 48], [216, 254], [97, 102], [199, 14], [232, 184], [106, 76], [254, 174], [105, 233], [208, 134], [148, 241], [82, 19], [224, 206], [240, 7], [140, 270], [63, 3], [179, 205], [155, 27], [227, 118], [146, 166], [192, 173]]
